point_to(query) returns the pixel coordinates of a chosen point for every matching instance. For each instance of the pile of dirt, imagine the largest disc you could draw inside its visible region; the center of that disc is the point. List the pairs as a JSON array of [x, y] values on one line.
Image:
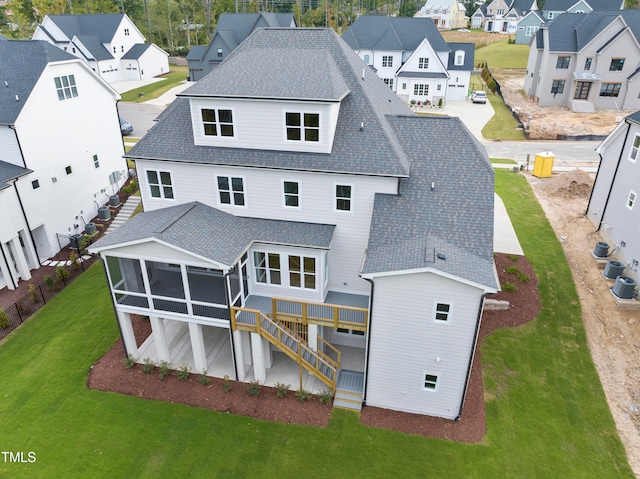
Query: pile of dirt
[[570, 184]]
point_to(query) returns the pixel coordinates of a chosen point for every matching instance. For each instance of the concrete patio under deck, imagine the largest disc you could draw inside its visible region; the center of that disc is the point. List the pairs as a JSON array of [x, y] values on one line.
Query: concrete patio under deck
[[217, 346]]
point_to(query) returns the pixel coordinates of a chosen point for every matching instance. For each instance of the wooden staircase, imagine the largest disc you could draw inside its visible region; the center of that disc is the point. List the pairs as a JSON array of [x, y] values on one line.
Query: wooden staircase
[[349, 390], [253, 320]]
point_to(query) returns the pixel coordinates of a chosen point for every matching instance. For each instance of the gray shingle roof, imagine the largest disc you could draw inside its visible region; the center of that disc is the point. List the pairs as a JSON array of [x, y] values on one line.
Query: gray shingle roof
[[21, 64], [378, 32], [102, 25], [564, 5], [454, 218], [374, 151], [96, 49], [634, 117], [196, 227], [2, 37], [136, 51], [469, 52], [10, 172]]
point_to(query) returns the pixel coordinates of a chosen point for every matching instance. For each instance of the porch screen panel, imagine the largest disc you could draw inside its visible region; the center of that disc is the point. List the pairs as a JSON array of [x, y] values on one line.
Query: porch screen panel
[[206, 285], [125, 274], [165, 279]]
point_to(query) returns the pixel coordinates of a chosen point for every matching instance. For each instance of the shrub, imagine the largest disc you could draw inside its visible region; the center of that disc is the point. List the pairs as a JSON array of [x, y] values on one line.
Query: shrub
[[33, 295], [74, 258], [84, 242], [509, 287], [4, 319], [513, 257], [303, 395], [183, 372], [413, 102], [165, 370], [204, 379], [227, 384], [282, 390], [512, 269], [131, 188], [523, 278], [148, 366], [61, 273], [129, 361], [440, 102], [326, 396], [253, 388], [50, 282]]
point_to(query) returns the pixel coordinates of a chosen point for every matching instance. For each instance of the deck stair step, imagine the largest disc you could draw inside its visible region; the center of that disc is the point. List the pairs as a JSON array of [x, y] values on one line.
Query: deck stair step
[[125, 213], [348, 400]]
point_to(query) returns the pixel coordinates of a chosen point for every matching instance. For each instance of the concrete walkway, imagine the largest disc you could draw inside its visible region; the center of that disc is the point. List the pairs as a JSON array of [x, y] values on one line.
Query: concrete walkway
[[124, 214]]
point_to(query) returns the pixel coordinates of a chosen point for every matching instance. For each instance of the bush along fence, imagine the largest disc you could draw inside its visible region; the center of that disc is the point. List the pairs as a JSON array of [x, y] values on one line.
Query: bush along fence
[[37, 296]]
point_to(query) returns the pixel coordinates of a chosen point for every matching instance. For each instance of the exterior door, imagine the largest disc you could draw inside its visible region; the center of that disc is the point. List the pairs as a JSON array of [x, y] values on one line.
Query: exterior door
[[582, 90]]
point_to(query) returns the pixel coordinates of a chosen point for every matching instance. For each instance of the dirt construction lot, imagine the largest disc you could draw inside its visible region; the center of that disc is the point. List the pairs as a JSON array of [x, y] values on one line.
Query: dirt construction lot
[[613, 334]]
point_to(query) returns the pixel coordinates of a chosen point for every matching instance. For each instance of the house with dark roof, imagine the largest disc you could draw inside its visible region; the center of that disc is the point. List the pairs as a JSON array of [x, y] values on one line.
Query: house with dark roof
[[231, 30], [479, 16], [412, 58], [614, 204], [110, 44], [61, 153], [528, 26], [299, 217], [587, 61], [503, 16], [446, 14], [554, 8]]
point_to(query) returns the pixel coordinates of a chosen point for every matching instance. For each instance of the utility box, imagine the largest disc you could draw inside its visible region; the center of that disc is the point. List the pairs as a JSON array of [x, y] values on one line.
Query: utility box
[[543, 164]]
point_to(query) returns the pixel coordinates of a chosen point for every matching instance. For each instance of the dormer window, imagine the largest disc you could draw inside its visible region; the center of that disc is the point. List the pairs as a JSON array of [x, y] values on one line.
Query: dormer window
[[217, 122], [423, 63], [459, 58], [126, 32], [302, 126], [219, 52]]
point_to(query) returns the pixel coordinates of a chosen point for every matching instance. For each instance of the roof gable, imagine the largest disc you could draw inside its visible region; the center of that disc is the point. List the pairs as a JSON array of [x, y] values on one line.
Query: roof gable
[[102, 25], [9, 172], [21, 65]]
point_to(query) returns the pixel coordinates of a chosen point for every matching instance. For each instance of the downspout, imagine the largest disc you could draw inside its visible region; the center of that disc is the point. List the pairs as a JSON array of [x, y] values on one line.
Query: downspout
[[228, 295], [35, 247], [366, 359], [115, 310], [615, 174], [473, 353], [4, 256]]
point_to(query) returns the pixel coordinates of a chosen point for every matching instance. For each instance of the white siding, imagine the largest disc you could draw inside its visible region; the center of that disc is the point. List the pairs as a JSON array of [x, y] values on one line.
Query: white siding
[[55, 134], [153, 62], [261, 124], [9, 147], [264, 200], [11, 218], [405, 342]]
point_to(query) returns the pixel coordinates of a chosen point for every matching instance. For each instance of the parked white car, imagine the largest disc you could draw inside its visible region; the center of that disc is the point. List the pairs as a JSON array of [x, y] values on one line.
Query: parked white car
[[479, 97]]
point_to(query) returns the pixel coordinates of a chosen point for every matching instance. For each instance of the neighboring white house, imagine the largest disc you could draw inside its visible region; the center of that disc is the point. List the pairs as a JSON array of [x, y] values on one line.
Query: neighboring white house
[[614, 205], [60, 145], [503, 16], [304, 215], [412, 58], [446, 14], [110, 44], [587, 61]]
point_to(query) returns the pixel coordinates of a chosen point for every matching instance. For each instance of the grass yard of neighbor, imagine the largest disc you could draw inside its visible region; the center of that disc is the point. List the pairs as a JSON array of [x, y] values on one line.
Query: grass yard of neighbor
[[176, 76], [547, 416]]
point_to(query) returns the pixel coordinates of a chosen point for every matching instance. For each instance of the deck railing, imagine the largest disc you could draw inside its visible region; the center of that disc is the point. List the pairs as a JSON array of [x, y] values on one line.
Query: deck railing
[[347, 317], [329, 352], [255, 321]]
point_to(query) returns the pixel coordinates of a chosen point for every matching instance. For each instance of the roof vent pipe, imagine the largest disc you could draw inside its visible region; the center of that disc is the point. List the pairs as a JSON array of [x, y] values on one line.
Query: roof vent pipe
[[363, 74], [17, 99], [6, 83], [362, 126]]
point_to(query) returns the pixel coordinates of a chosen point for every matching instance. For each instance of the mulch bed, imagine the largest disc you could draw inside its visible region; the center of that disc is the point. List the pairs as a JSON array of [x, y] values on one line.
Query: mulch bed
[[109, 374]]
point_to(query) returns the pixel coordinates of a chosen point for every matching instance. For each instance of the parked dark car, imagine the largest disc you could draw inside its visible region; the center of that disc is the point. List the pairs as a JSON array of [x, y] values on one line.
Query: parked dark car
[[125, 127]]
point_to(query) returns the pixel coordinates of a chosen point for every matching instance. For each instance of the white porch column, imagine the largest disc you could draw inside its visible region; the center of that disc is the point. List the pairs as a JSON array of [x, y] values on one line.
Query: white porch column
[[129, 339], [197, 346], [238, 349], [160, 339], [21, 261], [257, 353], [312, 336], [6, 272], [266, 346]]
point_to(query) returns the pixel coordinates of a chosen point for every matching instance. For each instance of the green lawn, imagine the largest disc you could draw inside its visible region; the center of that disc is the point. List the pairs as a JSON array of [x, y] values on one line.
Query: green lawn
[[502, 125], [154, 90], [546, 413], [503, 55]]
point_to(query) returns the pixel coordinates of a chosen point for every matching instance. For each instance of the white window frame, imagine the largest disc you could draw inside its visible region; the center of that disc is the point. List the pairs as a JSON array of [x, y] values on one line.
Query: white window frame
[[336, 198], [631, 199], [96, 161], [231, 191], [66, 87], [297, 195], [531, 30], [161, 187], [302, 127], [267, 268], [423, 63], [421, 89], [435, 313], [387, 61], [217, 123], [436, 382], [302, 272], [388, 82], [366, 58], [635, 146]]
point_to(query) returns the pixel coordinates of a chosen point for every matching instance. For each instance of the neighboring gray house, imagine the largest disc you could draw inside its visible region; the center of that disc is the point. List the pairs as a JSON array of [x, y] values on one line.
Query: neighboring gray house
[[554, 8], [614, 207], [587, 61], [411, 57], [274, 209], [479, 16], [503, 16], [528, 26], [231, 30]]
